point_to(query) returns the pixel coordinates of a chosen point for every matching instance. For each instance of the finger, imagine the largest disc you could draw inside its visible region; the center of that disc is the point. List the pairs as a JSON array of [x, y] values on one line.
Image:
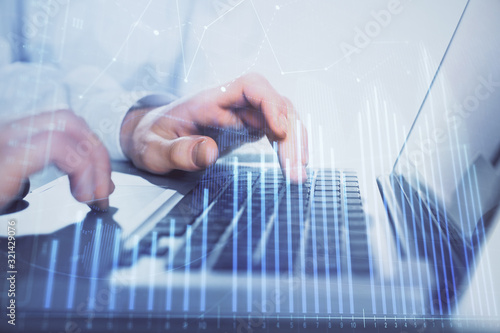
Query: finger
[[255, 91], [90, 176], [299, 135], [95, 173], [103, 185], [12, 187], [294, 150], [86, 143], [26, 158], [221, 107], [61, 149], [199, 110], [82, 184], [249, 100], [188, 153], [252, 118], [58, 121]]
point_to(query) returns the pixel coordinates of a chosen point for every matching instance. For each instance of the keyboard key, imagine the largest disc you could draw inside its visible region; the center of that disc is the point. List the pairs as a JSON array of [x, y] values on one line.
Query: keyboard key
[[164, 229], [353, 202], [326, 207], [352, 195]]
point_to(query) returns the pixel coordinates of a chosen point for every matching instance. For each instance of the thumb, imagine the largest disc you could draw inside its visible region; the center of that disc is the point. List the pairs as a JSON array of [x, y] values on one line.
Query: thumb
[[190, 153]]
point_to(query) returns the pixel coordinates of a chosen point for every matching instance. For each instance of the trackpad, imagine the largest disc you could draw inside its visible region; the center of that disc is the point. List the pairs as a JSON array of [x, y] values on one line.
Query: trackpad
[[52, 207]]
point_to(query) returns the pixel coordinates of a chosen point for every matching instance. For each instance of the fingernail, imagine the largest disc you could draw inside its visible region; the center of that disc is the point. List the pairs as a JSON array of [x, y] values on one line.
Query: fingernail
[[196, 160], [283, 123]]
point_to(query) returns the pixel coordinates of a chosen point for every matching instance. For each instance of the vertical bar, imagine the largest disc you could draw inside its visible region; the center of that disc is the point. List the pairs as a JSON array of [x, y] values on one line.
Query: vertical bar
[[289, 237], [301, 218], [74, 262], [276, 231], [50, 279], [438, 217], [469, 221], [477, 229], [337, 248], [348, 247], [375, 194], [116, 256], [422, 226], [187, 269], [263, 228], [429, 215], [368, 236], [135, 255], [461, 219], [398, 241], [152, 270], [235, 234], [486, 251], [95, 264], [315, 258], [168, 305], [204, 252], [325, 233], [450, 252], [408, 243], [381, 161], [310, 141], [414, 224], [249, 241]]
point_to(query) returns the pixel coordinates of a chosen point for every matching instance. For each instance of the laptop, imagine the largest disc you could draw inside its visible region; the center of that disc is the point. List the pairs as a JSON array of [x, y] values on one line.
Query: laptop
[[238, 247]]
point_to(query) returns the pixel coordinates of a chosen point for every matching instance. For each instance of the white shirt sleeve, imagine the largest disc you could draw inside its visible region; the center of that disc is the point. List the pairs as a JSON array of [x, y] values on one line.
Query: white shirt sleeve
[[29, 88], [103, 104]]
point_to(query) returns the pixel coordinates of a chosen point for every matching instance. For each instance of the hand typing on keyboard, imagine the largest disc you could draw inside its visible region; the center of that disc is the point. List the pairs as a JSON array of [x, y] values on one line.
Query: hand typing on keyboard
[[29, 144], [181, 135]]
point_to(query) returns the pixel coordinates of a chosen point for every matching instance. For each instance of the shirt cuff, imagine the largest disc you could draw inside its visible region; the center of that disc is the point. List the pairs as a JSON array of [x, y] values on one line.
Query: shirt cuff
[[147, 100], [106, 110]]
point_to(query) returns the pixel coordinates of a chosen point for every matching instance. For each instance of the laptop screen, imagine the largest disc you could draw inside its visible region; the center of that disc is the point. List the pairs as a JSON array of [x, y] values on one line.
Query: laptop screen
[[452, 153]]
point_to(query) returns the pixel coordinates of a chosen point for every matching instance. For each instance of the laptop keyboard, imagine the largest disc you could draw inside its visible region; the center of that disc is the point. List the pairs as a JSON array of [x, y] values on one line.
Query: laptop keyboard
[[252, 219]]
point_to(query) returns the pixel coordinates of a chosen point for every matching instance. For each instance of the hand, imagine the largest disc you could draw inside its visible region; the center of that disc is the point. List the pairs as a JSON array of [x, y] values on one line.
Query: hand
[[171, 137], [60, 137]]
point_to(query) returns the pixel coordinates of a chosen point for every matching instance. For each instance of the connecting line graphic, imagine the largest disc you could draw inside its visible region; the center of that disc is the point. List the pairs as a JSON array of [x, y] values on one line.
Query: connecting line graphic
[[276, 57], [200, 40], [187, 69], [266, 36]]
